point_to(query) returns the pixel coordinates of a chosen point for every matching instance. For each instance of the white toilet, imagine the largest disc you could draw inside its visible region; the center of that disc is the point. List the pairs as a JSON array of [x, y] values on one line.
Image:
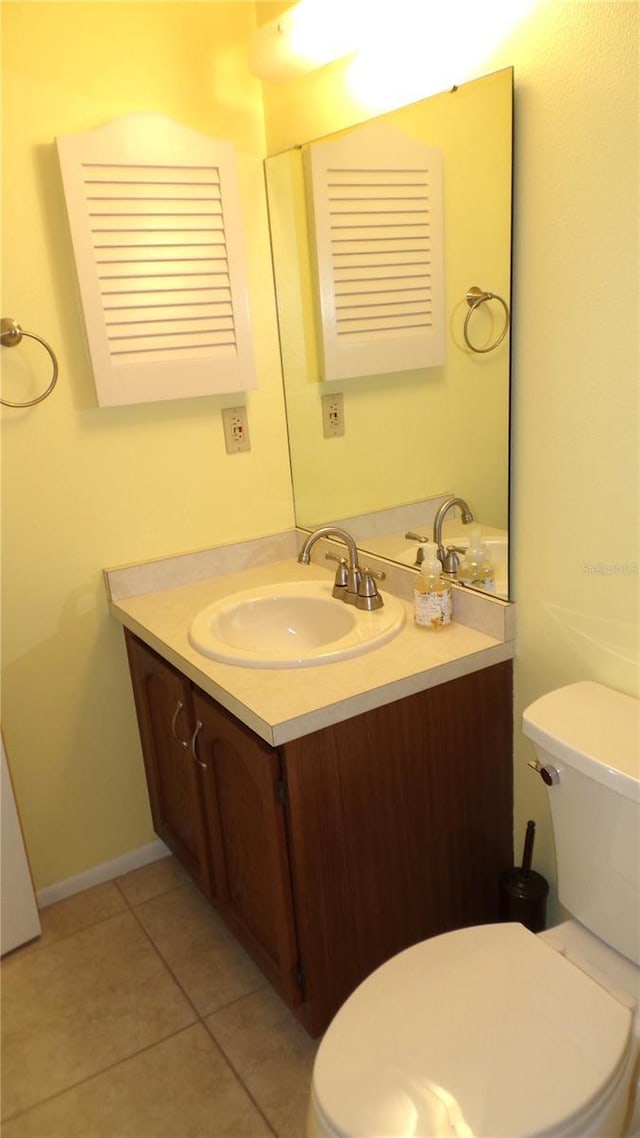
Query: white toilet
[[492, 1031]]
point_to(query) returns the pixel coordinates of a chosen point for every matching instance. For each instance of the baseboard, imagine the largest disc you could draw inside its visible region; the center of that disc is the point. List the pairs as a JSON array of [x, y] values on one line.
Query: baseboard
[[106, 871]]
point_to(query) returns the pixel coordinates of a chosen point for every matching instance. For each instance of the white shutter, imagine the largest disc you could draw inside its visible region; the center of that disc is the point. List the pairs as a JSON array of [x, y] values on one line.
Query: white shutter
[[378, 232], [155, 223]]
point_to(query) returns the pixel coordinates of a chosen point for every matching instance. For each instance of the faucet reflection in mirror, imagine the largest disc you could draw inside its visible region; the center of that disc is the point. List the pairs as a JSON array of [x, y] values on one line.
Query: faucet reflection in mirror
[[418, 433], [449, 558]]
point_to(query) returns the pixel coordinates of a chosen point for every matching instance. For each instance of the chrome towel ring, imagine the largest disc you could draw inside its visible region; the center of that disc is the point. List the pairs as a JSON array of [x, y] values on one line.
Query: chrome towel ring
[[11, 334], [475, 297]]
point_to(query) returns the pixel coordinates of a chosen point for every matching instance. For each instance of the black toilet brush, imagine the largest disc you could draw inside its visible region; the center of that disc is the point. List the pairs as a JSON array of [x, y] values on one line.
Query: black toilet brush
[[523, 892]]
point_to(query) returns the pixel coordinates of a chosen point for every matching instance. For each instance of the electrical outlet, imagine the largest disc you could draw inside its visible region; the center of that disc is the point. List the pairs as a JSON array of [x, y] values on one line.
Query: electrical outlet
[[236, 429], [332, 415]]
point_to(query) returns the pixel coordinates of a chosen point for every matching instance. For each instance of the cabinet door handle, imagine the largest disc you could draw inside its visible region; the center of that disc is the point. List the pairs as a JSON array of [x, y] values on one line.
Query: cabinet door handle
[[174, 722], [193, 745]]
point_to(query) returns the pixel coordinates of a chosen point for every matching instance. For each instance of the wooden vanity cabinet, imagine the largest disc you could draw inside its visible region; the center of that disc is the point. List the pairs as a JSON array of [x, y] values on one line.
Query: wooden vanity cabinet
[[332, 852], [400, 823]]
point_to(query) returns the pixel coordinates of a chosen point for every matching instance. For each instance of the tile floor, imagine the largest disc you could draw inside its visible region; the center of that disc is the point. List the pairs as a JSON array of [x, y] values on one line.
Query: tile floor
[[137, 1015]]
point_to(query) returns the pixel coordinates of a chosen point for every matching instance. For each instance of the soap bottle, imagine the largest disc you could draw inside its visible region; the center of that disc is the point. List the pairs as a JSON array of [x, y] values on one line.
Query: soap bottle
[[476, 568], [432, 604]]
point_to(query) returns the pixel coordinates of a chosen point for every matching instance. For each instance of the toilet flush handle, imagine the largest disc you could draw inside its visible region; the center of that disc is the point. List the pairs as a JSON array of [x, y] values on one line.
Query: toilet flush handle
[[548, 774]]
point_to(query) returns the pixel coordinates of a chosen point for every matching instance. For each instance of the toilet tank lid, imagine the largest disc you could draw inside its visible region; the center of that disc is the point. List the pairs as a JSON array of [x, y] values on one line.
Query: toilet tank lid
[[593, 729]]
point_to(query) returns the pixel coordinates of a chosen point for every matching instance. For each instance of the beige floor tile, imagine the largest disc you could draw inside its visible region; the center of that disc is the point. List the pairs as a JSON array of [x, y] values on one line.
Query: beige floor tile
[[77, 912], [272, 1055], [205, 958], [81, 1004], [181, 1088], [152, 880]]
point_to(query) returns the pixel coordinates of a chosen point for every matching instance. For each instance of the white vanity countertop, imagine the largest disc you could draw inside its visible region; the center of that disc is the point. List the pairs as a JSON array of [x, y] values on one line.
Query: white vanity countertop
[[285, 703]]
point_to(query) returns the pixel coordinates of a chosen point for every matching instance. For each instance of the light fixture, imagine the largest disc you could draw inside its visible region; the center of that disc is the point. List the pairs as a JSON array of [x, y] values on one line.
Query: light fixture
[[428, 46], [306, 36]]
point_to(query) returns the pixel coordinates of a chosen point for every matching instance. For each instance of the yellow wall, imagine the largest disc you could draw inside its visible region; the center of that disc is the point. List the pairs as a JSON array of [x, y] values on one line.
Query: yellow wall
[[575, 334], [575, 405], [86, 487]]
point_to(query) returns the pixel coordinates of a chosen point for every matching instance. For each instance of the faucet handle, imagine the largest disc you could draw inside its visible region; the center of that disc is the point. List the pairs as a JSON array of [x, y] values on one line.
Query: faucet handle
[[451, 561], [368, 596], [341, 578], [411, 536]]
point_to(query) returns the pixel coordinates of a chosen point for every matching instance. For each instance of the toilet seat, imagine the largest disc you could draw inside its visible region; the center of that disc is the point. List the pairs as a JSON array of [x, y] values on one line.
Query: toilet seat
[[482, 1031]]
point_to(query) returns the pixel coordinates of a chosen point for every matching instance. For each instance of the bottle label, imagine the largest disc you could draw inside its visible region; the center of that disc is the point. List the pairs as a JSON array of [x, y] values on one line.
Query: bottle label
[[487, 584], [432, 610]]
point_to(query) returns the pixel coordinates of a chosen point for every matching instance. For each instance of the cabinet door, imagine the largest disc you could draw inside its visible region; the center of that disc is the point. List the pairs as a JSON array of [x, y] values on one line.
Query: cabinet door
[[165, 719], [246, 814]]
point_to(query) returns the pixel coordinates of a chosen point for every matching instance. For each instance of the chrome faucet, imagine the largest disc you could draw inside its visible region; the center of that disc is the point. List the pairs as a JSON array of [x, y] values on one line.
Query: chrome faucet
[[353, 575], [449, 558], [355, 586]]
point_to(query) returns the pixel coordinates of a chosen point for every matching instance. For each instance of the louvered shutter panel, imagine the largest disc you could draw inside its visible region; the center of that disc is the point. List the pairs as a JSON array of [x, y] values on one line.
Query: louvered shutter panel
[[376, 201], [155, 223]]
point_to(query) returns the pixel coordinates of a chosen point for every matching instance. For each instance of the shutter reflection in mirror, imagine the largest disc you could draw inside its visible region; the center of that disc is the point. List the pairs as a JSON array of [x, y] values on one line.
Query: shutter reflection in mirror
[[377, 223]]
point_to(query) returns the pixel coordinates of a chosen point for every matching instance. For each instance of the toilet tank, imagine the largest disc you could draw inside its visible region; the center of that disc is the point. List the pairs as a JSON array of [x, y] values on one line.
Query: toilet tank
[[591, 735]]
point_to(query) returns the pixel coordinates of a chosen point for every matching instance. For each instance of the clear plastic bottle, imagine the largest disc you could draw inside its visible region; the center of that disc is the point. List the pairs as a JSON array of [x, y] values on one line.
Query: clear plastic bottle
[[476, 568], [432, 603]]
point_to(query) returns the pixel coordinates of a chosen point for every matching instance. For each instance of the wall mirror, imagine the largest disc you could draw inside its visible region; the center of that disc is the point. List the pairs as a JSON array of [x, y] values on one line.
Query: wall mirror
[[410, 438]]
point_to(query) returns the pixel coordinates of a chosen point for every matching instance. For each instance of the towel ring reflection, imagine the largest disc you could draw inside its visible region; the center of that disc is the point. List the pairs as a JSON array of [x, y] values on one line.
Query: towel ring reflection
[[11, 334], [475, 297]]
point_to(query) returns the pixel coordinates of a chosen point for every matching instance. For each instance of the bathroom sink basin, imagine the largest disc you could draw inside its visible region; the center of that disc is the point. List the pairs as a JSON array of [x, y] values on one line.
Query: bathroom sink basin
[[291, 625]]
